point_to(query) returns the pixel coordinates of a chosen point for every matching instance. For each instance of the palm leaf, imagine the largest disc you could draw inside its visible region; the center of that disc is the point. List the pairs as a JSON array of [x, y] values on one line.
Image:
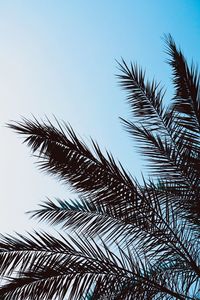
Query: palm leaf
[[71, 161], [187, 98], [130, 240], [83, 265]]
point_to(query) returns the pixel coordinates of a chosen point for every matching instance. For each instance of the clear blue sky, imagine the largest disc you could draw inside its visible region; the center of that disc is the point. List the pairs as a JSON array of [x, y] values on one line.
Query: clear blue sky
[[58, 57]]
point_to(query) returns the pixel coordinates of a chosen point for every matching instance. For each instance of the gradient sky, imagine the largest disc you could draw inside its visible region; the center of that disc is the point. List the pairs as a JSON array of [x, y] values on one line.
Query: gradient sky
[[58, 57]]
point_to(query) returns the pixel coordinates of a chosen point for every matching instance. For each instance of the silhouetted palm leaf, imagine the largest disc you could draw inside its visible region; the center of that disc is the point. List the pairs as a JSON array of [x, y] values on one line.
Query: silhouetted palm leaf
[[186, 83], [171, 146], [130, 240]]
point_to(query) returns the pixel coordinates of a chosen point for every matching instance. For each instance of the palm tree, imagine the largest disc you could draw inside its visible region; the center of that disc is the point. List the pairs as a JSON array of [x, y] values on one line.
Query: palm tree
[[121, 239]]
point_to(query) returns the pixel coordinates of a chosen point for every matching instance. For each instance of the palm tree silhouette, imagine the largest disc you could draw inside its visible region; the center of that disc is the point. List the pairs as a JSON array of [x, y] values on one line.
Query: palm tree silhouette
[[121, 239]]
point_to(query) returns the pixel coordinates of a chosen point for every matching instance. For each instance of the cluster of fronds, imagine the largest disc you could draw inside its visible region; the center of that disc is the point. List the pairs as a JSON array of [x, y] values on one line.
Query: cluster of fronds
[[129, 241]]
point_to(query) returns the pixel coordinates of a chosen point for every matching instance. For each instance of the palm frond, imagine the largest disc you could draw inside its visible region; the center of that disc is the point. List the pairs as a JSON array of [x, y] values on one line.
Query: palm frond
[[86, 218], [160, 154], [76, 267], [57, 266], [186, 83], [160, 234], [145, 98], [64, 155], [168, 146], [123, 240]]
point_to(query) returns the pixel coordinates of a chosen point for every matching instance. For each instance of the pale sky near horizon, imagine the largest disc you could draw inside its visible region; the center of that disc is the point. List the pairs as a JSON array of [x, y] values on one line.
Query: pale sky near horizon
[[58, 57]]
